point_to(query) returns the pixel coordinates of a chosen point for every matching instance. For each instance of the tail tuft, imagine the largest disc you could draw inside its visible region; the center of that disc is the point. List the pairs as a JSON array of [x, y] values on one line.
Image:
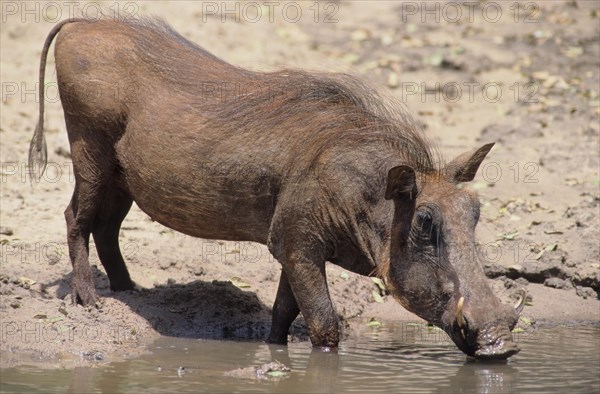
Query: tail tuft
[[38, 154]]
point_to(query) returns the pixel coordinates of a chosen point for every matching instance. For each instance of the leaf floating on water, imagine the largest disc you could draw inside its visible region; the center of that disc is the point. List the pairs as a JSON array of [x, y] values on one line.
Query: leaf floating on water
[[373, 322], [238, 282], [377, 297]]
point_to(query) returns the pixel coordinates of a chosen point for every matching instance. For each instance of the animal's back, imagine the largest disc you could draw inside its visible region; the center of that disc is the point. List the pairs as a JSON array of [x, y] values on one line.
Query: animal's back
[[205, 147]]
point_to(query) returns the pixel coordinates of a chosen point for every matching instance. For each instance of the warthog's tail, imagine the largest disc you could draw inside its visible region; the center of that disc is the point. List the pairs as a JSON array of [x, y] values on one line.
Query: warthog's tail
[[38, 153]]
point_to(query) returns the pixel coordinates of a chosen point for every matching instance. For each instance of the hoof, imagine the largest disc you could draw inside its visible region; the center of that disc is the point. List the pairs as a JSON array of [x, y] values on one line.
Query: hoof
[[85, 298]]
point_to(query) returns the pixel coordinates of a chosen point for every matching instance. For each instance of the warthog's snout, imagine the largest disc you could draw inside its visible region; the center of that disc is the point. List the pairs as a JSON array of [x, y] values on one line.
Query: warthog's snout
[[491, 341], [495, 344]]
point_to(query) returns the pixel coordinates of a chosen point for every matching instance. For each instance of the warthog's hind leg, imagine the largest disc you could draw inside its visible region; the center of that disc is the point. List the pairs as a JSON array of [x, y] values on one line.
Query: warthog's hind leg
[[114, 207], [78, 236]]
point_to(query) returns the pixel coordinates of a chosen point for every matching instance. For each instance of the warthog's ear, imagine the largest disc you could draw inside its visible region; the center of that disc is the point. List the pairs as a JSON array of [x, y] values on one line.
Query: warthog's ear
[[464, 167], [401, 183]]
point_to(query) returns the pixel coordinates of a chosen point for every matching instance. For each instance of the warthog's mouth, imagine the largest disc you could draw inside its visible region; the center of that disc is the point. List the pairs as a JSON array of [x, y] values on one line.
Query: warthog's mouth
[[492, 346], [493, 342]]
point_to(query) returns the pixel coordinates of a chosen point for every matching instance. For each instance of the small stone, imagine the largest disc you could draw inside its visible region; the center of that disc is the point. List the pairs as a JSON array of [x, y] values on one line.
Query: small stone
[[62, 309], [393, 80], [92, 356], [360, 35], [199, 271], [557, 283], [585, 292], [6, 230], [522, 281], [61, 151]]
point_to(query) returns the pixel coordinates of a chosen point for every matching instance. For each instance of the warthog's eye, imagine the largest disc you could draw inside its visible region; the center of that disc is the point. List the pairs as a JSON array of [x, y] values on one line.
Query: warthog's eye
[[425, 227], [424, 220]]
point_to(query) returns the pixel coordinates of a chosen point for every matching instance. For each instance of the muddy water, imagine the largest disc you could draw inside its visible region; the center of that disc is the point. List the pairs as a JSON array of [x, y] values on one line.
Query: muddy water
[[393, 358]]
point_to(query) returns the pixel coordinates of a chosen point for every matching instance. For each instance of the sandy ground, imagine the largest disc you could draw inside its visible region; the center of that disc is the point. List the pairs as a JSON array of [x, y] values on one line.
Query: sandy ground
[[526, 76]]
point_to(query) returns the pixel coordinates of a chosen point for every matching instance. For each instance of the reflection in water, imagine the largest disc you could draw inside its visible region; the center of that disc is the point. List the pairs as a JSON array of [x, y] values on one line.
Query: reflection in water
[[484, 378], [376, 361]]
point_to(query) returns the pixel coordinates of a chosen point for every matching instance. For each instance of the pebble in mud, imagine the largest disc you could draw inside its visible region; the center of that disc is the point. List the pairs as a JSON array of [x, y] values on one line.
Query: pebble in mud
[[6, 230], [585, 292], [92, 355]]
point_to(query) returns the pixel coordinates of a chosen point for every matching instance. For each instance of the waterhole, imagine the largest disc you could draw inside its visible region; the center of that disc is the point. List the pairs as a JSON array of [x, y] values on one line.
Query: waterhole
[[393, 358]]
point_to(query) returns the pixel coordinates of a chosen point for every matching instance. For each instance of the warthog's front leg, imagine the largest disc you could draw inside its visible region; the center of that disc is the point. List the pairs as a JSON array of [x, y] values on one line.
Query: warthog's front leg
[[285, 311], [309, 285]]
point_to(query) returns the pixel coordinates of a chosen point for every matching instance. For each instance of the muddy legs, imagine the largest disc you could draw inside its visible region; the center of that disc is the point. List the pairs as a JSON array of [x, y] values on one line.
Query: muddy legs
[[285, 311], [107, 224], [101, 214], [78, 236], [303, 287]]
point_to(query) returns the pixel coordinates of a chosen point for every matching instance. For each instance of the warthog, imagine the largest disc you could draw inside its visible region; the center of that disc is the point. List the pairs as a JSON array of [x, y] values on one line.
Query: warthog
[[313, 165]]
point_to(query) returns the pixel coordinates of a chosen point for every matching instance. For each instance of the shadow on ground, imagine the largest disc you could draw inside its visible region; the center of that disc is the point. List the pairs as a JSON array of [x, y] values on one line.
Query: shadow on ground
[[199, 309]]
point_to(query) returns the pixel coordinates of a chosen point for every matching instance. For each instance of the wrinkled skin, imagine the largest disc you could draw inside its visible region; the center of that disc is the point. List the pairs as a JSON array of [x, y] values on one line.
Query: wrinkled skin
[[316, 175], [433, 260]]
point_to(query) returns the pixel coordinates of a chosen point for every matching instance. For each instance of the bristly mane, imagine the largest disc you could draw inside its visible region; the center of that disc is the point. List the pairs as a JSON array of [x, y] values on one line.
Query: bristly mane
[[347, 109]]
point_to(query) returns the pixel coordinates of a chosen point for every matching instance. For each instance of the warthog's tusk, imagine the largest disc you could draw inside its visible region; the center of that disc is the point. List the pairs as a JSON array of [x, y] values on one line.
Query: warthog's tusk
[[459, 315], [520, 302]]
